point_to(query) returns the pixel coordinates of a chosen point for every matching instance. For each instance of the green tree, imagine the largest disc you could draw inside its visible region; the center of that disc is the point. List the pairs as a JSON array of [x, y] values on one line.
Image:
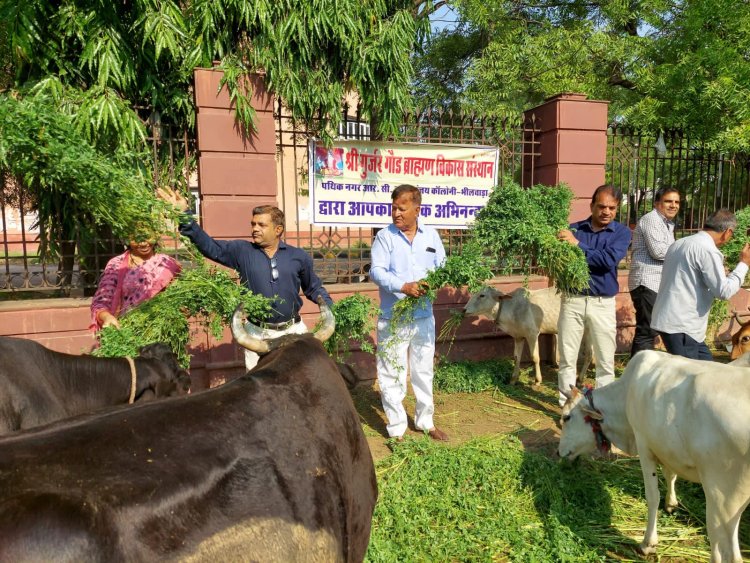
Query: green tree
[[661, 64], [102, 59], [110, 67]]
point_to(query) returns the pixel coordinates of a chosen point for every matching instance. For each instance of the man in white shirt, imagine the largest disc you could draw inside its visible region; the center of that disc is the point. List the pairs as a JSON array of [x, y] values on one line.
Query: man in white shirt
[[693, 275], [652, 237], [402, 255]]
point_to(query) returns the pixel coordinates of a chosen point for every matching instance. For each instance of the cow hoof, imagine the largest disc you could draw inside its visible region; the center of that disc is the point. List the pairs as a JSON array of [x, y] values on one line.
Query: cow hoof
[[646, 549], [670, 508], [536, 386]]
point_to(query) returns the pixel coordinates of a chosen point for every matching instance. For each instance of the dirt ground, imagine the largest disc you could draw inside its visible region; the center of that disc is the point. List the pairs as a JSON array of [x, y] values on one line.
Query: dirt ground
[[532, 414]]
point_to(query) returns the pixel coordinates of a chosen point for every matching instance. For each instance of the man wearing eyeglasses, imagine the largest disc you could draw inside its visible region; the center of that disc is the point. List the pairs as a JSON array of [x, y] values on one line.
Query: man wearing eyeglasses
[[652, 237], [693, 275], [267, 266]]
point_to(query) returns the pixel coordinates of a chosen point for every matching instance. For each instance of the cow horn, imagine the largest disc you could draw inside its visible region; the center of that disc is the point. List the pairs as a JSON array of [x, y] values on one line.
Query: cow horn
[[242, 337], [327, 323], [596, 415]]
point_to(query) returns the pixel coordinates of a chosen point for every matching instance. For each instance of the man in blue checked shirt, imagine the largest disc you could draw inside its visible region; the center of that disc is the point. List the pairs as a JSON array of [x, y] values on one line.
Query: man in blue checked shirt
[[267, 266], [652, 237], [402, 255], [604, 242]]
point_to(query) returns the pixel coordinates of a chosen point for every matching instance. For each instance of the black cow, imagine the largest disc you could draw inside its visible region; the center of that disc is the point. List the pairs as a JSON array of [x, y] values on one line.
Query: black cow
[[272, 466], [39, 385]]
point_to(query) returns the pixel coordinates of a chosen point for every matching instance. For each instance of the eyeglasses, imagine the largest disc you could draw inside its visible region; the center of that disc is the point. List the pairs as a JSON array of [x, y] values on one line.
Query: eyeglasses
[[274, 270]]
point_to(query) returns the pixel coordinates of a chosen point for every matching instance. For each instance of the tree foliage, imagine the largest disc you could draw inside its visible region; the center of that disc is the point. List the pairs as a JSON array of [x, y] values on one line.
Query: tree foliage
[[661, 64], [104, 59], [75, 186]]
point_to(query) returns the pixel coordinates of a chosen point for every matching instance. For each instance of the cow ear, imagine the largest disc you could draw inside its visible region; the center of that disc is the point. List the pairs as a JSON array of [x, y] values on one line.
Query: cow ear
[[155, 351]]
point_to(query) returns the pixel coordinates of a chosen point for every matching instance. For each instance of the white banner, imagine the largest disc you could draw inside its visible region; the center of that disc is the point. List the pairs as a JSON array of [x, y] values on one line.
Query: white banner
[[351, 182]]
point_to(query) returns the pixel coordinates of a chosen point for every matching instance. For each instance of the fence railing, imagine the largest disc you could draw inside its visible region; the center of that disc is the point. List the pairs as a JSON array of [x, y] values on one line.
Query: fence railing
[[640, 163]]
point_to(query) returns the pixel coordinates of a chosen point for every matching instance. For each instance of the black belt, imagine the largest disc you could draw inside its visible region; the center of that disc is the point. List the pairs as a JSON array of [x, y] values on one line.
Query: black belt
[[278, 326]]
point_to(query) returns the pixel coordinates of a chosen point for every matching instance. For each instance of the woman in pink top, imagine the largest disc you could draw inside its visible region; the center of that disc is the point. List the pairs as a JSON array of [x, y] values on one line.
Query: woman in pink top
[[131, 278]]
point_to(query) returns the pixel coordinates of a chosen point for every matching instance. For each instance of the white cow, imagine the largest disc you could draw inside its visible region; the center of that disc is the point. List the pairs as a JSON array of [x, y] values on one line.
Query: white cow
[[524, 315], [690, 417]]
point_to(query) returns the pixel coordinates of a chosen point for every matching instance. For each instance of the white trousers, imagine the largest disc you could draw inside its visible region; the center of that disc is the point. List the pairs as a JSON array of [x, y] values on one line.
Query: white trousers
[[413, 345], [251, 358], [596, 315]]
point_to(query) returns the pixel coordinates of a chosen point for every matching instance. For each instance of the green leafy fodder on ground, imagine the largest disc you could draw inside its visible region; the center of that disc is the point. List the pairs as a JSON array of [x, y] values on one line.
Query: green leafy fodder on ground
[[355, 320], [520, 226], [205, 294], [490, 500], [472, 377], [467, 503]]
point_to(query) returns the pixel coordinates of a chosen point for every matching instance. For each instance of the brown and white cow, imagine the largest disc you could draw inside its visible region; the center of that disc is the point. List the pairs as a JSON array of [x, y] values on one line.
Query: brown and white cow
[[690, 417], [741, 339], [272, 466], [524, 315], [39, 385]]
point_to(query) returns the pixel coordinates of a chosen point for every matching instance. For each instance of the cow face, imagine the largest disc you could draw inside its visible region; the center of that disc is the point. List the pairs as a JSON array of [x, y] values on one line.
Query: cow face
[[577, 437], [741, 341], [485, 303], [172, 379]]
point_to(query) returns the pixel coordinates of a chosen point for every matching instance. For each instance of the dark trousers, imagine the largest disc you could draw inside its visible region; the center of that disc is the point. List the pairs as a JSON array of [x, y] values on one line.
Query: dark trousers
[[681, 344], [643, 301]]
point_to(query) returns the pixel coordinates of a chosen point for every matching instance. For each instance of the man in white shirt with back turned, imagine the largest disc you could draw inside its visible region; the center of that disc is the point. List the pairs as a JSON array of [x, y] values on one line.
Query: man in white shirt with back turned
[[692, 277]]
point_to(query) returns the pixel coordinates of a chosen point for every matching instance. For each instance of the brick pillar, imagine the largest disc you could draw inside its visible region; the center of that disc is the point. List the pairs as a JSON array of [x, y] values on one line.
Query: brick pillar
[[572, 137], [235, 172]]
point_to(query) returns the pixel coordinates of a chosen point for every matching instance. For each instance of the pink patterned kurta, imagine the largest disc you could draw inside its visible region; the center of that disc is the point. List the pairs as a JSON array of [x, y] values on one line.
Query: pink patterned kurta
[[139, 284]]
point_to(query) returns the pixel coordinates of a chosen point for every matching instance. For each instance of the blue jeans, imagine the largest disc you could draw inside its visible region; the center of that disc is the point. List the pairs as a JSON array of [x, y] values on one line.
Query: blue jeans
[[681, 344]]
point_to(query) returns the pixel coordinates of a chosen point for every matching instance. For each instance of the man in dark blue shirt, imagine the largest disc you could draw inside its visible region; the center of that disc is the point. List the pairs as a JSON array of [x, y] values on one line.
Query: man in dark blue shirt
[[604, 242], [267, 266]]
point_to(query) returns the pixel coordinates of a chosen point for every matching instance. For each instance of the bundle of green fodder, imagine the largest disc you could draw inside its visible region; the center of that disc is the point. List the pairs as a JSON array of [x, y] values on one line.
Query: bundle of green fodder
[[202, 293], [720, 308], [470, 268], [520, 226], [355, 320], [732, 249]]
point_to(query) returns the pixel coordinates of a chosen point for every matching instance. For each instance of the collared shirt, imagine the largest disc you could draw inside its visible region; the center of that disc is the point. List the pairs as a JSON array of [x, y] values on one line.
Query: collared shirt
[[295, 268], [693, 275], [652, 237], [604, 250], [396, 261]]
